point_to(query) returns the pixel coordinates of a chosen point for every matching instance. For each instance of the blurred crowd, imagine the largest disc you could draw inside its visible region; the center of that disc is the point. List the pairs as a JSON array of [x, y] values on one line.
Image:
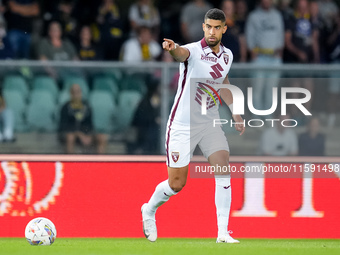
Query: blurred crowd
[[268, 31], [263, 32]]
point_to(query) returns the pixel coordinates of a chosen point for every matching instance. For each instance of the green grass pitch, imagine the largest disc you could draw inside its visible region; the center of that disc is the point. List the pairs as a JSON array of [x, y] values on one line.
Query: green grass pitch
[[171, 246]]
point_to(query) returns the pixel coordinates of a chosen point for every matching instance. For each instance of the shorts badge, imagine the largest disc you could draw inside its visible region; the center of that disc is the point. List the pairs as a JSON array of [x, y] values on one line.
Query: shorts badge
[[175, 156]]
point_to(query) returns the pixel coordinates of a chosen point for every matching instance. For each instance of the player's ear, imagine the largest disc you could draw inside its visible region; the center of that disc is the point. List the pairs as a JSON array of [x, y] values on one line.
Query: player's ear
[[225, 28], [203, 26]]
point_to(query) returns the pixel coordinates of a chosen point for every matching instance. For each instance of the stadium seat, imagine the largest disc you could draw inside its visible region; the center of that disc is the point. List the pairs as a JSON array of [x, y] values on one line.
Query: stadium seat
[[41, 111], [15, 101], [103, 83], [70, 80], [115, 74], [46, 83], [127, 104], [103, 111], [63, 97], [133, 83], [17, 83]]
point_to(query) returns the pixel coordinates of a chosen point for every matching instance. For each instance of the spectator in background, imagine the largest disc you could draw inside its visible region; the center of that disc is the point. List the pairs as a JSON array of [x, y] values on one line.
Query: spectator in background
[[6, 50], [265, 40], [174, 74], [142, 48], [234, 37], [147, 122], [301, 40], [191, 20], [2, 10], [301, 36], [334, 42], [76, 120], [279, 140], [312, 142], [110, 28], [320, 24], [55, 47], [241, 12], [76, 123], [286, 10], [334, 87], [87, 49], [20, 17], [329, 12], [144, 13], [6, 123], [68, 23]]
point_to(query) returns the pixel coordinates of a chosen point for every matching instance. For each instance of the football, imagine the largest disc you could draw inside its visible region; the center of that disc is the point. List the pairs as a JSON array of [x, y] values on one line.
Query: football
[[40, 231]]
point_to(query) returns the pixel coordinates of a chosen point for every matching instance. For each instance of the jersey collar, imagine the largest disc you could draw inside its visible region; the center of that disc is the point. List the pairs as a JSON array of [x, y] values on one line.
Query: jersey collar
[[207, 50]]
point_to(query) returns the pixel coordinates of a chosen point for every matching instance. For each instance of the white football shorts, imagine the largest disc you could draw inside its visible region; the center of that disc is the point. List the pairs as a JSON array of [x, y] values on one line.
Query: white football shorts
[[181, 142]]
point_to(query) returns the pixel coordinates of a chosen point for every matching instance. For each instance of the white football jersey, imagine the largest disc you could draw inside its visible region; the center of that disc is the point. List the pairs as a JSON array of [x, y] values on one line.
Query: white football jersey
[[210, 68]]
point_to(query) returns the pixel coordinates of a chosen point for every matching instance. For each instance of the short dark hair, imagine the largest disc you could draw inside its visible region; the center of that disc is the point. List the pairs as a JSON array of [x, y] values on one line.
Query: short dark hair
[[215, 14]]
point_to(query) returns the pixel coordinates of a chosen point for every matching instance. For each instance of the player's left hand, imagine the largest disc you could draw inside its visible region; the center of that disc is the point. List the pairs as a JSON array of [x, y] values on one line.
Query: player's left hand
[[240, 127]]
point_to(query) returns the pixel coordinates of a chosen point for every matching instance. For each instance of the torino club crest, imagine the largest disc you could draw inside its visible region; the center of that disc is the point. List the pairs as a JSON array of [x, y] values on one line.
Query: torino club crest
[[24, 191], [226, 58]]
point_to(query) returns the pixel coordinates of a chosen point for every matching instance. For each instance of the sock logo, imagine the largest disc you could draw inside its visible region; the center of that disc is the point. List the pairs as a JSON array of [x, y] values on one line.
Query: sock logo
[[226, 187], [166, 194], [175, 156]]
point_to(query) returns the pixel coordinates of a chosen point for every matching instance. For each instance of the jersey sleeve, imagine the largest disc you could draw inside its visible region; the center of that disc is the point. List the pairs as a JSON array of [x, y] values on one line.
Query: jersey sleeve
[[231, 56], [192, 50]]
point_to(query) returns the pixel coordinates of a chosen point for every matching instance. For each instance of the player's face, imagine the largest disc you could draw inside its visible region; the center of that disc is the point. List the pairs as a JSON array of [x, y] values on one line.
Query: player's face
[[213, 31]]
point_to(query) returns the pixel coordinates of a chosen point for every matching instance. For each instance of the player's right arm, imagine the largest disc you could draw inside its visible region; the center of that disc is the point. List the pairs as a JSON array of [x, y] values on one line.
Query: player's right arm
[[179, 53]]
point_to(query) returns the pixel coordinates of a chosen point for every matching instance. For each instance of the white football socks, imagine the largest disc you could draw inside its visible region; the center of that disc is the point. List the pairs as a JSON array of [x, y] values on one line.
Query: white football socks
[[162, 194], [222, 202]]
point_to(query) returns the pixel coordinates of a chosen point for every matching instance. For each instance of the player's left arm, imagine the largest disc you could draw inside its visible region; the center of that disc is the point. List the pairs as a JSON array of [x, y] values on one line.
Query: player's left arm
[[227, 97]]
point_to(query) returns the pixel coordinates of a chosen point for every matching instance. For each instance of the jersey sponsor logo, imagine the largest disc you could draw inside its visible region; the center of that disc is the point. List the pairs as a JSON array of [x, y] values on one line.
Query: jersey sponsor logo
[[175, 156], [204, 89], [212, 59], [226, 58], [217, 69]]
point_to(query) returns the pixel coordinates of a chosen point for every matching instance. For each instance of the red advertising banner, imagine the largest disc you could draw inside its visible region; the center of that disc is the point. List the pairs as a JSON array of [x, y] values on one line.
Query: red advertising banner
[[98, 199]]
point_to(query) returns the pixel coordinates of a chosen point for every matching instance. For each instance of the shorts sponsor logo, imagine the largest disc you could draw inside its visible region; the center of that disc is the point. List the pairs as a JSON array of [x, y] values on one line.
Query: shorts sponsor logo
[[175, 156]]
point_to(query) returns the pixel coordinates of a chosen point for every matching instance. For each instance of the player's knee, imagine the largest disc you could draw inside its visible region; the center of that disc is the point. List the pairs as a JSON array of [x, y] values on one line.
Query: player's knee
[[177, 185]]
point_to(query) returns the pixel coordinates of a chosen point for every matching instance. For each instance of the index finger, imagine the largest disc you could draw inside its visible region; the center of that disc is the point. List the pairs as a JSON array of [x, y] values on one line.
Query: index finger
[[167, 40], [243, 129]]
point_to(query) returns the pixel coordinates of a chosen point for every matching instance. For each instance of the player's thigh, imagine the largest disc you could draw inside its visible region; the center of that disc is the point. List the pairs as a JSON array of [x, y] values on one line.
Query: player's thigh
[[220, 159], [177, 177], [215, 148], [213, 140]]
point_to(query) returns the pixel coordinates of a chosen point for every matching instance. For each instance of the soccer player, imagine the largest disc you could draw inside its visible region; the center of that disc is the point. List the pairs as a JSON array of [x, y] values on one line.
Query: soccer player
[[207, 59]]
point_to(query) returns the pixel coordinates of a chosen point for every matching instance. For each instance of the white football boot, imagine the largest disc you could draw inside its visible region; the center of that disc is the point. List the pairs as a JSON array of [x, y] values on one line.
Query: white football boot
[[149, 227], [226, 239]]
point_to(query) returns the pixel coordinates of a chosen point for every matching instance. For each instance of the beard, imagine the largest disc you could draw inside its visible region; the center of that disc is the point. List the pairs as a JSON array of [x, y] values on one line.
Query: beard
[[212, 44]]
